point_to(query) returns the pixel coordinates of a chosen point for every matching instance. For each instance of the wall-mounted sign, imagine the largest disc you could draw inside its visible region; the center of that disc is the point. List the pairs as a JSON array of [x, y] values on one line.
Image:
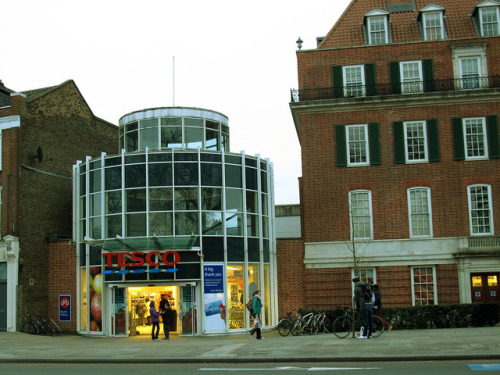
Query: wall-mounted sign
[[138, 258], [65, 308]]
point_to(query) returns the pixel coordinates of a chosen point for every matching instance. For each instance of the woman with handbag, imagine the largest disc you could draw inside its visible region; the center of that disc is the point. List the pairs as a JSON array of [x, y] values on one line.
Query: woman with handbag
[[257, 307]]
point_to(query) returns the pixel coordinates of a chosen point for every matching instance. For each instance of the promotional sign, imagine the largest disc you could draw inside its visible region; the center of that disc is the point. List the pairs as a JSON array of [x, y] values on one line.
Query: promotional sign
[[214, 308], [65, 308]]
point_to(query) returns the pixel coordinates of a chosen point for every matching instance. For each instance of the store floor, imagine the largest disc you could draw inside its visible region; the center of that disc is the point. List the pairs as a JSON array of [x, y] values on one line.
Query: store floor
[[146, 330]]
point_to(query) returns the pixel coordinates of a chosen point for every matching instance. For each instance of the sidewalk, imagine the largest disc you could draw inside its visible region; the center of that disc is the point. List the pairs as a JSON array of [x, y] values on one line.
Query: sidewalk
[[432, 344]]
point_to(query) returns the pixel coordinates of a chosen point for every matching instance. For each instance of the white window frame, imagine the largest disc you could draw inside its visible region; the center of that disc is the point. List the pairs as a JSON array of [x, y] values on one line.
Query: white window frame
[[407, 86], [370, 31], [413, 289], [411, 213], [484, 141], [349, 87], [441, 24], [481, 23], [490, 210], [366, 147], [426, 153], [465, 81], [472, 51], [369, 214]]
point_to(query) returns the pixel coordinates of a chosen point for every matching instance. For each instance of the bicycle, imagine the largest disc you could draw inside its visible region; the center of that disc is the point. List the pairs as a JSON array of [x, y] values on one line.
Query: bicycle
[[29, 325], [322, 323], [344, 324], [285, 325]]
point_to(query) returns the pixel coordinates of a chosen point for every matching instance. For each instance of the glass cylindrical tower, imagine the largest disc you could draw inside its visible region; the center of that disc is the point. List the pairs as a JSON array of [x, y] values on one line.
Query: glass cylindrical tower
[[174, 214]]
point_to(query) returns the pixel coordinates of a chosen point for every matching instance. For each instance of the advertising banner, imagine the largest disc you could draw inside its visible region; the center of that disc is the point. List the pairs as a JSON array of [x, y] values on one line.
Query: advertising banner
[[65, 308], [214, 307]]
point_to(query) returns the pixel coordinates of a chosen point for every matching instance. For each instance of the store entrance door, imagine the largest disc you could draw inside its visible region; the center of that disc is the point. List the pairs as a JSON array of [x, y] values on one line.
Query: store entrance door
[[187, 310], [484, 287], [118, 314]]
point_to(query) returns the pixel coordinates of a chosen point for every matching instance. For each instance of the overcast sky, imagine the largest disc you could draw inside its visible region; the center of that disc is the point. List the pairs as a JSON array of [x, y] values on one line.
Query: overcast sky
[[234, 57]]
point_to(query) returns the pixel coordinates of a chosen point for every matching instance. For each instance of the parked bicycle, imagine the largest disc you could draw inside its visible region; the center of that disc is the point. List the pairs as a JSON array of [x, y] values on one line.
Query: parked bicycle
[[285, 325], [322, 323], [344, 324], [29, 325], [37, 325]]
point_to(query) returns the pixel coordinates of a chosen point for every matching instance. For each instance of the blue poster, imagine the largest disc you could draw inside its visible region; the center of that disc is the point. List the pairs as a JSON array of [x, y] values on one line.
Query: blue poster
[[213, 278], [65, 308]]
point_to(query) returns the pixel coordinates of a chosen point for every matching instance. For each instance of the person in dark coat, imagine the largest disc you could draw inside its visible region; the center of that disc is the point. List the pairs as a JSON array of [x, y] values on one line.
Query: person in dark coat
[[165, 315], [365, 307], [377, 306]]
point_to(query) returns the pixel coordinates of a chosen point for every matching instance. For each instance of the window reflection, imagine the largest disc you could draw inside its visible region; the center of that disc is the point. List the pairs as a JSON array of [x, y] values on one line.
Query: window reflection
[[236, 307]]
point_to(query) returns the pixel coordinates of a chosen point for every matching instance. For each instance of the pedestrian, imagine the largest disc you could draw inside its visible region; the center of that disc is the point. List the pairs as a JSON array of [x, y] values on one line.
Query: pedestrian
[[155, 320], [257, 307], [165, 311], [363, 304], [377, 306]]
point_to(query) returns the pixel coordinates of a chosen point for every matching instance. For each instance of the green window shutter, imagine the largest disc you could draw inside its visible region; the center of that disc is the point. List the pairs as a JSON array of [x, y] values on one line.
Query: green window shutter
[[395, 75], [374, 143], [399, 142], [340, 146], [458, 139], [433, 140], [338, 81], [492, 131], [370, 79], [428, 71]]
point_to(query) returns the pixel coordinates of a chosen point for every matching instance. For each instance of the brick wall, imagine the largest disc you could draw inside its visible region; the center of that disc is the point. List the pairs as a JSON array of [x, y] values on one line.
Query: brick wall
[[290, 268], [62, 281]]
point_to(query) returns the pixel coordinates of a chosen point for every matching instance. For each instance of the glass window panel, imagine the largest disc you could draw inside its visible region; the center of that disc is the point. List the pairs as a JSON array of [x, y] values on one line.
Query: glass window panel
[[187, 223], [236, 311], [252, 201], [193, 137], [149, 138], [131, 141], [136, 200], [135, 159], [135, 225], [161, 224], [212, 139], [185, 174], [263, 181], [95, 181], [196, 122], [489, 21], [160, 199], [3, 271], [357, 143], [251, 178], [135, 175], [211, 157], [433, 27], [492, 280], [171, 137], [149, 123], [235, 249], [95, 204], [416, 144], [213, 249], [477, 281], [169, 121], [234, 200], [234, 224], [212, 125], [253, 225], [265, 208], [360, 214], [211, 199], [233, 176], [186, 198], [480, 209], [420, 215], [110, 161], [377, 30], [423, 286], [254, 282], [95, 228], [265, 227], [211, 174], [113, 178], [160, 174], [212, 223], [131, 126], [113, 226], [113, 202], [475, 138], [354, 84]]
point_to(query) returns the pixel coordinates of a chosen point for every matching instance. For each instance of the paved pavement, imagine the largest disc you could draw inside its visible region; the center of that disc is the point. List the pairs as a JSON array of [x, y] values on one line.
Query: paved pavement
[[431, 344]]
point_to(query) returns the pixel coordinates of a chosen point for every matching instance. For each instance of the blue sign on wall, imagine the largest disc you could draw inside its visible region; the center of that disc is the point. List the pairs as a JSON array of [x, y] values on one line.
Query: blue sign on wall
[[65, 308], [213, 278]]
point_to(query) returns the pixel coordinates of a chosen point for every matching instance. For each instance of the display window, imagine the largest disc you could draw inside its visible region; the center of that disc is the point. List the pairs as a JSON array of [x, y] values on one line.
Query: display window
[[235, 303]]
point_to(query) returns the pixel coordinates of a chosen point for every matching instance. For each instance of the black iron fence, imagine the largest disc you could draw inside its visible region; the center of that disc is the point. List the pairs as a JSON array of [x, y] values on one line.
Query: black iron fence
[[400, 88]]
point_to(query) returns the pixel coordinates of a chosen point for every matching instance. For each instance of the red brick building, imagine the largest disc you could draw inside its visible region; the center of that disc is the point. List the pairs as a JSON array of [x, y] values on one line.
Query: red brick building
[[43, 132], [397, 115]]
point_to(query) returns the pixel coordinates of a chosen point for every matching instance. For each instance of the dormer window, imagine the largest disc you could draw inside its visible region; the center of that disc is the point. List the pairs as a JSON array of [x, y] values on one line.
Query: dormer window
[[431, 19], [377, 26], [487, 16]]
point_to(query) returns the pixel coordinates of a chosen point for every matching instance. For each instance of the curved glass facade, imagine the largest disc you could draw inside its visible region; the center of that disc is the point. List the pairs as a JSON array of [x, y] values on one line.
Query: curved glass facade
[[176, 189]]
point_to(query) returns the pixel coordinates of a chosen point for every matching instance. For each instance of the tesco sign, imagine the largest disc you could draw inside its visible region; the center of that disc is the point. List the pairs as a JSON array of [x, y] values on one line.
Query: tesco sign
[[139, 258]]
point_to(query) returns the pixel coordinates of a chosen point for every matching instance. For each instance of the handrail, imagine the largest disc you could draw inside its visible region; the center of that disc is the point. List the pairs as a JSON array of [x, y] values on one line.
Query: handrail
[[405, 88]]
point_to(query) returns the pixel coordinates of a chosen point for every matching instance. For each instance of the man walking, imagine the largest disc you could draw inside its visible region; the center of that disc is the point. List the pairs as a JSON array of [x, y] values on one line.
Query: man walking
[[364, 304]]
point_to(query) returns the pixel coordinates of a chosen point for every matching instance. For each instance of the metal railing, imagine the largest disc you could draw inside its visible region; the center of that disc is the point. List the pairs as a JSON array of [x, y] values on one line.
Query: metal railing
[[404, 88]]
